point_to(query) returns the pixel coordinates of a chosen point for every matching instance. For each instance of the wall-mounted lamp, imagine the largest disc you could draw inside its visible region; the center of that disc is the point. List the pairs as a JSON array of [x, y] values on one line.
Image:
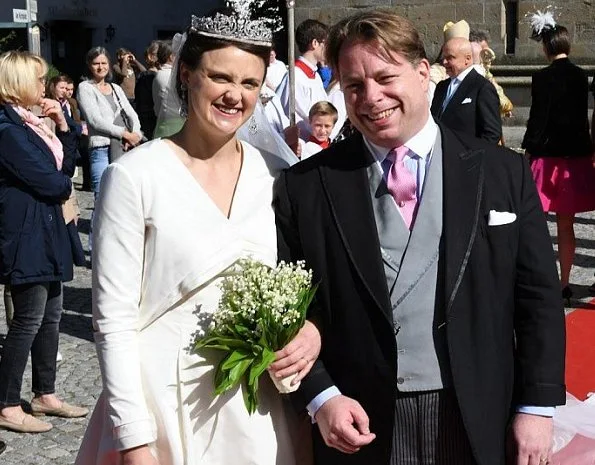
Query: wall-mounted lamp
[[110, 32]]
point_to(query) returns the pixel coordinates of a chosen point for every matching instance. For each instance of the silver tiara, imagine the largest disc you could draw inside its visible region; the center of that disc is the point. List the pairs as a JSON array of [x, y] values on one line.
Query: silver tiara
[[238, 26]]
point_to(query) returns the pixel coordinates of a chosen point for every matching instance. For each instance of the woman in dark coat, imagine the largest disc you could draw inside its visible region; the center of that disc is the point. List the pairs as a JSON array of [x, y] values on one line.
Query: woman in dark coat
[[35, 250], [143, 92], [558, 142]]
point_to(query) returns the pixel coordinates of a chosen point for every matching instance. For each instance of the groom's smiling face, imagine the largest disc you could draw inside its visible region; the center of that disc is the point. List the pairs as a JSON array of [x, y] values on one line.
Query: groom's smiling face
[[385, 94]]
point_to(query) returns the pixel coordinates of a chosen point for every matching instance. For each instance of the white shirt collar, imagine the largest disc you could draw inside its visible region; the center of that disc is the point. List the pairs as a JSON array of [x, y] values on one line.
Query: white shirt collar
[[310, 65], [463, 74], [480, 69], [421, 143]]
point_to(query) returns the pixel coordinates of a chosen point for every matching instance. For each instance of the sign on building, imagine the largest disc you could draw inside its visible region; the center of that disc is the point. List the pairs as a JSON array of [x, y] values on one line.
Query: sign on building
[[20, 16], [32, 7]]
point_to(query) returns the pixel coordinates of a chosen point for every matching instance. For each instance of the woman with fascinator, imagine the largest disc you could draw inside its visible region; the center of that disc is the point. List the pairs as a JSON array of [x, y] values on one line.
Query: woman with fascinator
[[174, 215], [557, 138]]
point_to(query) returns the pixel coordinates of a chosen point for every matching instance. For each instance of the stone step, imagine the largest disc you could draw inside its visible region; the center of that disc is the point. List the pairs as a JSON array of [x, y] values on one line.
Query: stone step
[[518, 89], [519, 117], [528, 70], [513, 136]]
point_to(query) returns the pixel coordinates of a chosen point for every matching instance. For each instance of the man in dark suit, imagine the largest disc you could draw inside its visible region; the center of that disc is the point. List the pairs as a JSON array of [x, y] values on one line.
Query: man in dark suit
[[467, 102], [439, 306]]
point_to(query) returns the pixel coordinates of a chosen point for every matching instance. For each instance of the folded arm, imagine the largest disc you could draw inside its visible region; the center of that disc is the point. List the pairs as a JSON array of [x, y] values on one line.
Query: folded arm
[[27, 163]]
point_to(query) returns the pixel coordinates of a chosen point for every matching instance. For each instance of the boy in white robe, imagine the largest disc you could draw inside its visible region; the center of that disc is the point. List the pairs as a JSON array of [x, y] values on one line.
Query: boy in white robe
[[322, 117], [310, 36]]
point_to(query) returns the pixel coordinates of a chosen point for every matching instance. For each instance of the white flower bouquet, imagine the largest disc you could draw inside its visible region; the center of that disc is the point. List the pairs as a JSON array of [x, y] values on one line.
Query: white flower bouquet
[[261, 309]]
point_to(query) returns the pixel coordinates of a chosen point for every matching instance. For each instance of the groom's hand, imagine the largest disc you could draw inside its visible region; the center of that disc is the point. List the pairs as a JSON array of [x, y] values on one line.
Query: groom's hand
[[299, 355], [530, 439], [344, 425]]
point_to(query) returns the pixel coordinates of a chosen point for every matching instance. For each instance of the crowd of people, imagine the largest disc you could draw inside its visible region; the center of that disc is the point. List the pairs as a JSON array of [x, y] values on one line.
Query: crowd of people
[[437, 333]]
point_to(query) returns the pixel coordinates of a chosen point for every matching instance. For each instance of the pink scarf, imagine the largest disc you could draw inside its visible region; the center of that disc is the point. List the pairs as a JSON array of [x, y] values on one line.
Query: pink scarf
[[43, 131]]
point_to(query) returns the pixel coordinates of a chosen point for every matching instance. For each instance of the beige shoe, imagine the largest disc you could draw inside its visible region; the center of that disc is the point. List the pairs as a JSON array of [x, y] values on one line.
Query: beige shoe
[[64, 411], [28, 424]]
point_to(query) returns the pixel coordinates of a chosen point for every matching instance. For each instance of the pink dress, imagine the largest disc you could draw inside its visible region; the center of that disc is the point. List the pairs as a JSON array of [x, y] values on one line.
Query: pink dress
[[565, 185]]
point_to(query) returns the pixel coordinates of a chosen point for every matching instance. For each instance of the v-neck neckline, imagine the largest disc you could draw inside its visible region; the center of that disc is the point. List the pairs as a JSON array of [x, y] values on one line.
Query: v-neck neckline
[[239, 180]]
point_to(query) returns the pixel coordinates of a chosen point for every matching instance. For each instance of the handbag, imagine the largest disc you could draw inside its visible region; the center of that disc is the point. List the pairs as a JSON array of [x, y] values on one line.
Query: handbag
[[127, 120]]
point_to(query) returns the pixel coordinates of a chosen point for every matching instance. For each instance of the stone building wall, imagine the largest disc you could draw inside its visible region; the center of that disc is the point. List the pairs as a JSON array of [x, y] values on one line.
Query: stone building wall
[[431, 15]]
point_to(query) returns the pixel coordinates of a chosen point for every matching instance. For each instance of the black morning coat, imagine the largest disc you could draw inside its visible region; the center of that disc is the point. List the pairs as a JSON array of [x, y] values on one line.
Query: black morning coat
[[504, 314]]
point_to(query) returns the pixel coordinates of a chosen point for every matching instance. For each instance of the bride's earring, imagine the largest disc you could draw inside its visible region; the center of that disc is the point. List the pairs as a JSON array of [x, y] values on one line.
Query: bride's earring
[[184, 98], [252, 125]]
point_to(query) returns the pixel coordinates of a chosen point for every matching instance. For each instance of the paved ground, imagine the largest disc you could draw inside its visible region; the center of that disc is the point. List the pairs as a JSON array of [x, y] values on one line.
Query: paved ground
[[78, 379], [78, 374]]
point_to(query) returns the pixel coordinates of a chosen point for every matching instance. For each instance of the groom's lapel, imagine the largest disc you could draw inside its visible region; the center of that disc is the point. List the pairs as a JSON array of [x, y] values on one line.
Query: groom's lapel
[[346, 186], [463, 192]]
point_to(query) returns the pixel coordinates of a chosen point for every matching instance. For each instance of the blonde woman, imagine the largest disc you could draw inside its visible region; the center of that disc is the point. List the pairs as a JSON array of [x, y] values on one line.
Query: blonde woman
[[35, 250]]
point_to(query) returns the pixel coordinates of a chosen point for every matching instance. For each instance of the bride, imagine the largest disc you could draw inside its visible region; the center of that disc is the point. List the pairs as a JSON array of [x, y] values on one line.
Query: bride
[[173, 217]]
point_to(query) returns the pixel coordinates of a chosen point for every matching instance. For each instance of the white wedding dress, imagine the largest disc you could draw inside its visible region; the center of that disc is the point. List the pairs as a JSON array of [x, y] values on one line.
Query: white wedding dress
[[162, 247], [574, 432]]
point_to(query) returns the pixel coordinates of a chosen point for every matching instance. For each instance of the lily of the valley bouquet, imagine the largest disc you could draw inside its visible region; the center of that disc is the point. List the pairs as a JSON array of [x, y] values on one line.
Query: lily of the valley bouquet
[[261, 310]]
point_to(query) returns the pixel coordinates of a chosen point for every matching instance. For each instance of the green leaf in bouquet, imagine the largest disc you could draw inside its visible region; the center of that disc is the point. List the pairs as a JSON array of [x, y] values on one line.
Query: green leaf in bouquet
[[234, 357], [260, 365], [233, 376], [221, 343], [250, 394], [220, 376], [212, 344], [257, 368], [243, 332]]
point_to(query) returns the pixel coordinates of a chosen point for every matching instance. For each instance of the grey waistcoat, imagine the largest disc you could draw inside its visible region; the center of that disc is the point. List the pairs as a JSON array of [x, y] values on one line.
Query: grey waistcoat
[[411, 269]]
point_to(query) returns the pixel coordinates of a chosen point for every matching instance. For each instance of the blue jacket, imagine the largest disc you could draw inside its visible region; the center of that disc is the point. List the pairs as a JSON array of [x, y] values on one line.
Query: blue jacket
[[34, 243]]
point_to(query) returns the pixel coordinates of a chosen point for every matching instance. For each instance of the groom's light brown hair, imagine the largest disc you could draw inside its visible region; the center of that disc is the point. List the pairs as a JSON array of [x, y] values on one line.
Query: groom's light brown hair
[[392, 33]]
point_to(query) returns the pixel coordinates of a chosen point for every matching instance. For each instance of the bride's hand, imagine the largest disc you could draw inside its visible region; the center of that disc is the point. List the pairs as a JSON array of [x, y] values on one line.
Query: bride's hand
[[299, 355], [138, 456]]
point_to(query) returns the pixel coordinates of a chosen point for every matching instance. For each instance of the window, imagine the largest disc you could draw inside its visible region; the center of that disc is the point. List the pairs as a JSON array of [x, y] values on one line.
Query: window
[[511, 22]]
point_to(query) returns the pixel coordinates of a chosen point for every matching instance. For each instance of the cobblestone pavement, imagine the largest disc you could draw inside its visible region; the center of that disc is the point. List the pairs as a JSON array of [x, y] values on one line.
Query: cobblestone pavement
[[78, 379]]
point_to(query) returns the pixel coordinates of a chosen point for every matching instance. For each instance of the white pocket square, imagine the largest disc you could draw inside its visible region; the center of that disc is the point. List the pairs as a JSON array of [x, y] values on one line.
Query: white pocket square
[[499, 218], [467, 100]]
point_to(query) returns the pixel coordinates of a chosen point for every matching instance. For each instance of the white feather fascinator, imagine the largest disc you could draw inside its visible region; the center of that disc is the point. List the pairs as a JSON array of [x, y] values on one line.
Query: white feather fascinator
[[541, 21]]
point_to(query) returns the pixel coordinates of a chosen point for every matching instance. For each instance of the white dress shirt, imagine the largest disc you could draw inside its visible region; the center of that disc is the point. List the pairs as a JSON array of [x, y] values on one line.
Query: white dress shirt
[[455, 82], [417, 161]]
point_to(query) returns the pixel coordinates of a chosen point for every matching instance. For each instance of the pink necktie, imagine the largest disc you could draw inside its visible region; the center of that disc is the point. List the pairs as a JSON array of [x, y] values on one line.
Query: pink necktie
[[402, 185]]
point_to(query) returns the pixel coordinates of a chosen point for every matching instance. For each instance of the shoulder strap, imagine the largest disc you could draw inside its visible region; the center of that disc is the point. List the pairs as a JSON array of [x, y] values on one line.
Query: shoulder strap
[[116, 95]]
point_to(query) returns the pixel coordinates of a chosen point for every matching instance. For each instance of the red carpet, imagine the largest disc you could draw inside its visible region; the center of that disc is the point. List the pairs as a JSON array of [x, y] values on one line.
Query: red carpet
[[580, 351]]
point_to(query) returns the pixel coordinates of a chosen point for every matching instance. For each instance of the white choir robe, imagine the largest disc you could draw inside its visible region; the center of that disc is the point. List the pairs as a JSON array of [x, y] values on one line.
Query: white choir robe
[[337, 98], [275, 72], [308, 91]]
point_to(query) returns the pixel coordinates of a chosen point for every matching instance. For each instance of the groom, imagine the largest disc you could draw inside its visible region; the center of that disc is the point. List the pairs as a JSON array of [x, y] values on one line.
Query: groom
[[439, 303]]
